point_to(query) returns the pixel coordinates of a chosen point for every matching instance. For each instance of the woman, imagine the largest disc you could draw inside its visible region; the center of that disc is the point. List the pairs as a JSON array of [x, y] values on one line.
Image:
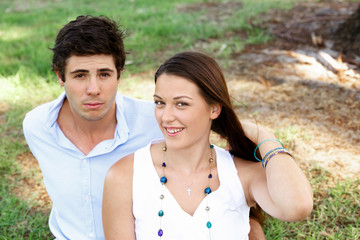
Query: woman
[[183, 187]]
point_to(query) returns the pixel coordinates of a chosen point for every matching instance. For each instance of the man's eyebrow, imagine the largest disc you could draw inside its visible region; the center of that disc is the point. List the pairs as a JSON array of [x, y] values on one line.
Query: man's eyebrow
[[105, 70], [86, 71], [79, 71]]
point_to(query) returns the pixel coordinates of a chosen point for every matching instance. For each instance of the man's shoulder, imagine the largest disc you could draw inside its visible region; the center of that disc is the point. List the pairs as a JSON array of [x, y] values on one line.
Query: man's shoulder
[[39, 116]]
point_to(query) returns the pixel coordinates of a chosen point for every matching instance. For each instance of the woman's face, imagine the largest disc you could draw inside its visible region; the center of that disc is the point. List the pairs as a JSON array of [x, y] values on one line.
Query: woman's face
[[182, 113]]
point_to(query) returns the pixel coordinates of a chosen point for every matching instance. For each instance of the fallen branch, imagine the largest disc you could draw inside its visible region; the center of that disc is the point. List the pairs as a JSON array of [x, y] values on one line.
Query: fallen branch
[[330, 63], [323, 18]]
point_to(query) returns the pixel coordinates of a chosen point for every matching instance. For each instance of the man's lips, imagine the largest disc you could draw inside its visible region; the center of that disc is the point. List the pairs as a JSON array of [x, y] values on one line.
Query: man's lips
[[93, 105]]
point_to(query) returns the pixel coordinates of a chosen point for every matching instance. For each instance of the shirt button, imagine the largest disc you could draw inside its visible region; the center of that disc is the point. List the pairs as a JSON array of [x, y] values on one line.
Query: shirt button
[[91, 235], [87, 198], [84, 161]]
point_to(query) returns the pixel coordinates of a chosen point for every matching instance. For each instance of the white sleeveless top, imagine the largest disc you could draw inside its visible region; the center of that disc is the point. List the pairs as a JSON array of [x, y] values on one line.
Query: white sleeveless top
[[229, 212]]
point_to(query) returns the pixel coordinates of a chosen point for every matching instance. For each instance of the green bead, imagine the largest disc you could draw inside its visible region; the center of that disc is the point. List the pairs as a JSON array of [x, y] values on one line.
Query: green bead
[[161, 213], [208, 225]]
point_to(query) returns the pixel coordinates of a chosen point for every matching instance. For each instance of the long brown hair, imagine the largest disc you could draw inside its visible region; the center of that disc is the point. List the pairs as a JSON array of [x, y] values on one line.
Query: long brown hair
[[208, 76]]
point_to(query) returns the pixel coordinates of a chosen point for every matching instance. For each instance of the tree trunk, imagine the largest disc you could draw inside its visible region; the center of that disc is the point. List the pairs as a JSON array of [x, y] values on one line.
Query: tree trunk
[[347, 36]]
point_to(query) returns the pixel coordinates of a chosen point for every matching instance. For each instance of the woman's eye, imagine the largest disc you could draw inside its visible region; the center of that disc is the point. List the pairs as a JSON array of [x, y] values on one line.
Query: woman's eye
[[158, 102], [182, 104]]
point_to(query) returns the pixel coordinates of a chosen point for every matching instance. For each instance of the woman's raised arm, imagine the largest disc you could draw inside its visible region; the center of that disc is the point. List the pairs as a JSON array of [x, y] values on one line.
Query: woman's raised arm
[[281, 189]]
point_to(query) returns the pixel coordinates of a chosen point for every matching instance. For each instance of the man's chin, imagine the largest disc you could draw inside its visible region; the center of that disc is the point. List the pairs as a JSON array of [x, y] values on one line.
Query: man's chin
[[93, 117]]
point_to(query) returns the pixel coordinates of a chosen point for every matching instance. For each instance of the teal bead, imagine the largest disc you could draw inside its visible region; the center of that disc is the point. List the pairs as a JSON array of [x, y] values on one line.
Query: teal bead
[[208, 224], [161, 213], [211, 146]]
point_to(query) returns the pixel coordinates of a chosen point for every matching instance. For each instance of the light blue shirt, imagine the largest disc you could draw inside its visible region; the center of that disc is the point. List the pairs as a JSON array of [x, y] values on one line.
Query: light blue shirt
[[74, 181]]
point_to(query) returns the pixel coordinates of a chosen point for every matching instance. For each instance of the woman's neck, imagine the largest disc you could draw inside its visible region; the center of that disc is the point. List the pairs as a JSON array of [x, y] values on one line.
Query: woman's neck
[[189, 159]]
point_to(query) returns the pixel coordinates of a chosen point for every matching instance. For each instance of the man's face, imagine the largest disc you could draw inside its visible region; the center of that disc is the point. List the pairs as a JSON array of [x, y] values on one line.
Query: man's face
[[90, 86]]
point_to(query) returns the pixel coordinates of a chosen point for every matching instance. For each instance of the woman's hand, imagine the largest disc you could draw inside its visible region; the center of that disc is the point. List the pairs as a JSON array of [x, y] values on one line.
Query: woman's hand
[[256, 133]]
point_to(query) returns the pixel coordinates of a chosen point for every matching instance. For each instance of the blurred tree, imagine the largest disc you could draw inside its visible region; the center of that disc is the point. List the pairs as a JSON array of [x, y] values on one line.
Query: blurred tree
[[347, 36]]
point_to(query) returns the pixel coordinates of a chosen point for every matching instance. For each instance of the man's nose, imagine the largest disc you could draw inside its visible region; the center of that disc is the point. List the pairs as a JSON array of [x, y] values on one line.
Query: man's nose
[[93, 88]]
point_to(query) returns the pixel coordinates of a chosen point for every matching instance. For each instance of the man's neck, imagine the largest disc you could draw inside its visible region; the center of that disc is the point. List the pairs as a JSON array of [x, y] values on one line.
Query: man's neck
[[85, 134]]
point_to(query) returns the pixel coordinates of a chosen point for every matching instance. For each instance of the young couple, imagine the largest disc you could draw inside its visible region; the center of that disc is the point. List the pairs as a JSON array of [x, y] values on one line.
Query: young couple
[[170, 181]]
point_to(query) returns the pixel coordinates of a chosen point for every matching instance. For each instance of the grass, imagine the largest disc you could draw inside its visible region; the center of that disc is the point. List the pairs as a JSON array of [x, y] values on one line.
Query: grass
[[335, 215], [28, 29], [155, 31]]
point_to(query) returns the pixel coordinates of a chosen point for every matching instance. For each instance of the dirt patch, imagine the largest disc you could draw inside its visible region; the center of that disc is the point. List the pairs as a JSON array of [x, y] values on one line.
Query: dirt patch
[[214, 11], [299, 84], [288, 83], [31, 187]]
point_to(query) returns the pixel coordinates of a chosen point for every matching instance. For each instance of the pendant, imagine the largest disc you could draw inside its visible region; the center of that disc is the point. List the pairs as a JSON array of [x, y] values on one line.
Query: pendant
[[189, 191]]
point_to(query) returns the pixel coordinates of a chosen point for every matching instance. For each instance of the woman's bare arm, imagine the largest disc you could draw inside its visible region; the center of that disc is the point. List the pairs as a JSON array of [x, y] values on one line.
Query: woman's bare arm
[[118, 219]]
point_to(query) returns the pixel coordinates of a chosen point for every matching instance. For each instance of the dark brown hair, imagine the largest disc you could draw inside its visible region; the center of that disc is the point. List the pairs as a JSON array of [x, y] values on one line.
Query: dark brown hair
[[88, 35], [208, 76]]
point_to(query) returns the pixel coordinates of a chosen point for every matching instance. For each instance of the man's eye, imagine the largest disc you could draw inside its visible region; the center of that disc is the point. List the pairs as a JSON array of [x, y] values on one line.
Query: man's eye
[[80, 75], [104, 74]]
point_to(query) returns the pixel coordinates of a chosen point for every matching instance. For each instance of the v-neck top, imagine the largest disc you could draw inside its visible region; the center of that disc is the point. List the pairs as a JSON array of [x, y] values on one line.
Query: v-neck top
[[229, 212]]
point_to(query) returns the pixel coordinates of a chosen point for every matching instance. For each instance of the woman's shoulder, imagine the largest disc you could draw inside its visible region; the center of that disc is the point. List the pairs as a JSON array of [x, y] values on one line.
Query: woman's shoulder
[[243, 164], [122, 169]]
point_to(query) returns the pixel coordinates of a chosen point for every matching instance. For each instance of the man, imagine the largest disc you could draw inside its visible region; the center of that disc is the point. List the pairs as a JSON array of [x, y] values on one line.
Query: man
[[78, 136]]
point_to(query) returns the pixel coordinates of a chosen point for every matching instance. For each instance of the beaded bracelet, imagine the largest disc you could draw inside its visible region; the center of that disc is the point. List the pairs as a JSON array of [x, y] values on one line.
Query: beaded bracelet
[[272, 153], [262, 143]]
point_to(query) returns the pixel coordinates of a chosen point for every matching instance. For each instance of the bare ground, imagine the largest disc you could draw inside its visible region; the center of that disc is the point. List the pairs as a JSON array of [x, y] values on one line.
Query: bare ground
[[286, 86], [288, 83]]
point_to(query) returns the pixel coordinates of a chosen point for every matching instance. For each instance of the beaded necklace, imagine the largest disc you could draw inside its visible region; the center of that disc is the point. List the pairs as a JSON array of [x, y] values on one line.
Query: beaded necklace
[[207, 191]]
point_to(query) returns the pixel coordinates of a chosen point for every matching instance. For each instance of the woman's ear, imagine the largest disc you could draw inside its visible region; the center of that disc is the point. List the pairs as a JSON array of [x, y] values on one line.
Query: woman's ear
[[215, 111], [59, 79]]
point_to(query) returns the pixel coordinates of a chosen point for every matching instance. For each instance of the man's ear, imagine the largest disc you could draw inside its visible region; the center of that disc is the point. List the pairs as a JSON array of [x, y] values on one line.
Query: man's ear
[[215, 111], [59, 79], [119, 75]]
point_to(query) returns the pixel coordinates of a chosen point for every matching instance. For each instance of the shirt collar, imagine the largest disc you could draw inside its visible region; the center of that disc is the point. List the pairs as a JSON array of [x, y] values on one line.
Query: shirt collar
[[122, 129], [54, 110]]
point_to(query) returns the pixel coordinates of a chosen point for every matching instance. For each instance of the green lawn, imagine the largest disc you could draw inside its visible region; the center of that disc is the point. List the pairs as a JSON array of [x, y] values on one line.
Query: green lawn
[[156, 30]]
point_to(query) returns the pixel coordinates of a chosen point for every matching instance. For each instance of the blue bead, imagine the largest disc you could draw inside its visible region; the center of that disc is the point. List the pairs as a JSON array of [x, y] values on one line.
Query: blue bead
[[160, 232], [161, 213], [163, 164], [210, 175], [208, 224], [163, 179], [207, 190]]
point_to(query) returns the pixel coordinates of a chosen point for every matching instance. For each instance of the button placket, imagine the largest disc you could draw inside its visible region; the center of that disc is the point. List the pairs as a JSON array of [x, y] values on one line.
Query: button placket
[[86, 195]]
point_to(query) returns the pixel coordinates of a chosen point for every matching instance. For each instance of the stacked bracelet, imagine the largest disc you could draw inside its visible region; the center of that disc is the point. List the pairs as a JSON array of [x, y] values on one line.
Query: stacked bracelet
[[271, 153]]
